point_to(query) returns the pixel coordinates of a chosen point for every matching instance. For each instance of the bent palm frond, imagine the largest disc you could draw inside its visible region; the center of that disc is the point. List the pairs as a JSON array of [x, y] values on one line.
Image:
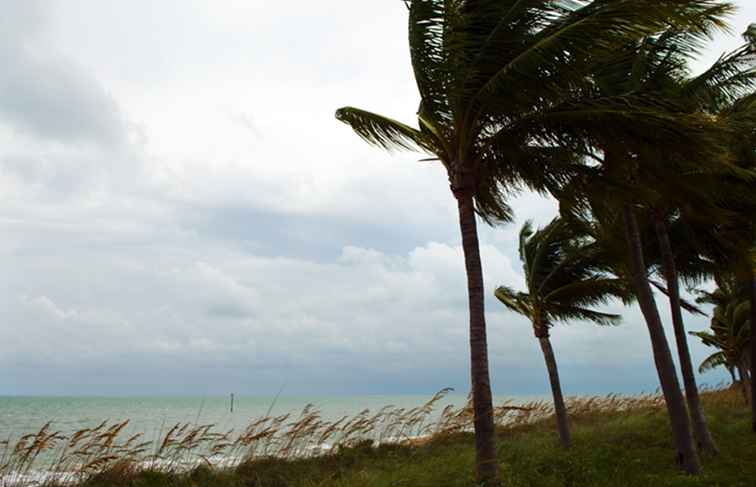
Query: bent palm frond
[[515, 301], [713, 361], [580, 32], [567, 313], [591, 291], [728, 79], [385, 132]]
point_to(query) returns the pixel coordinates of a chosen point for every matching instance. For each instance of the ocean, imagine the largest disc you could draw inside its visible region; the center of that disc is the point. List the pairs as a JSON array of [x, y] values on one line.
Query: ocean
[[21, 415], [296, 427], [152, 416]]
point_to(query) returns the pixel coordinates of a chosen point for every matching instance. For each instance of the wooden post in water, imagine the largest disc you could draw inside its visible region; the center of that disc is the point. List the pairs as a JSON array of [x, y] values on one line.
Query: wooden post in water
[[232, 402]]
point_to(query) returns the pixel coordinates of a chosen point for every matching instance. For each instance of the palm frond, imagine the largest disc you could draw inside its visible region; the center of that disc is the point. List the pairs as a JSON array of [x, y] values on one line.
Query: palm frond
[[636, 116], [729, 78], [541, 168], [685, 304], [432, 27], [580, 34], [713, 361], [515, 301], [708, 338], [591, 291], [525, 233], [577, 313], [386, 133], [750, 35]]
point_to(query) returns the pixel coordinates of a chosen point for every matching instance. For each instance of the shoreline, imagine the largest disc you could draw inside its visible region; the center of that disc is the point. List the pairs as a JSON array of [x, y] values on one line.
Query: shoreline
[[615, 438], [50, 455]]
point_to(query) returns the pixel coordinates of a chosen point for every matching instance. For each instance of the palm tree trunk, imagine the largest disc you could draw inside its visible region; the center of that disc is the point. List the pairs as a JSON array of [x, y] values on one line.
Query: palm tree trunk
[[698, 420], [665, 367], [753, 349], [745, 383], [485, 447], [560, 409]]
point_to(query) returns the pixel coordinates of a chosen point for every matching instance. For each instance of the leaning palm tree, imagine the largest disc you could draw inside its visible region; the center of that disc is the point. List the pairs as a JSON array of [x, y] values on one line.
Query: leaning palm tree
[[740, 231], [499, 84], [726, 90], [635, 174], [627, 256], [685, 196], [728, 242], [563, 282]]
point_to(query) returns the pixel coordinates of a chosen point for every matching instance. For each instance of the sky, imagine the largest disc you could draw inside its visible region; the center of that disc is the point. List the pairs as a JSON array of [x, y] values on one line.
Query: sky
[[182, 214]]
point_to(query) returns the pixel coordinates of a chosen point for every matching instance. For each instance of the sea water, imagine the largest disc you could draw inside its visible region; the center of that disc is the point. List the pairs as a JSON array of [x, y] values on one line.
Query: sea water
[[153, 417]]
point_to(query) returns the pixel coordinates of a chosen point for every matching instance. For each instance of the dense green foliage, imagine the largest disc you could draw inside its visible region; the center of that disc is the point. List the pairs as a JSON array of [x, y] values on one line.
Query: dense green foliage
[[610, 449]]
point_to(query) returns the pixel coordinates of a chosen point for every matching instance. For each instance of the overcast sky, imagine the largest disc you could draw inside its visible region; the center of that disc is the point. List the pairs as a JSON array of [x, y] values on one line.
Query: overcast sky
[[182, 214]]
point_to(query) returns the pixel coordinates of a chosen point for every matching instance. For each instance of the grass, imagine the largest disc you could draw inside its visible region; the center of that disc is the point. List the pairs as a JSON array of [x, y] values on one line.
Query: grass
[[617, 441]]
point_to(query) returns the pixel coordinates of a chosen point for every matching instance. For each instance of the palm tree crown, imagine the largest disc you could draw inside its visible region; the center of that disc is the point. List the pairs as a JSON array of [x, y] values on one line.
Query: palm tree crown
[[730, 330], [563, 277]]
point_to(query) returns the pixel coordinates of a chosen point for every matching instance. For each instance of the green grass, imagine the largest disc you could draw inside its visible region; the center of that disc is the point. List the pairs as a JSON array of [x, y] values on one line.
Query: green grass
[[610, 449]]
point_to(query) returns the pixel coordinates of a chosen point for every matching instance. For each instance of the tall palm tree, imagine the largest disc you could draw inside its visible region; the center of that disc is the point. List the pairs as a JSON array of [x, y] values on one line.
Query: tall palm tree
[[669, 271], [740, 230], [606, 230], [610, 217], [729, 241], [499, 101], [692, 195], [632, 172], [727, 91], [563, 282]]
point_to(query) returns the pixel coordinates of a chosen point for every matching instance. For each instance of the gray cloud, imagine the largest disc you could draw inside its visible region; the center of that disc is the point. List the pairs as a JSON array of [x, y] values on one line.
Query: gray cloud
[[43, 93], [48, 98]]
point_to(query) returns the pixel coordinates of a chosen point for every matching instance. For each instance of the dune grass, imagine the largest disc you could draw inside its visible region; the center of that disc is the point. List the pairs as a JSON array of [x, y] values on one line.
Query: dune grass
[[617, 442]]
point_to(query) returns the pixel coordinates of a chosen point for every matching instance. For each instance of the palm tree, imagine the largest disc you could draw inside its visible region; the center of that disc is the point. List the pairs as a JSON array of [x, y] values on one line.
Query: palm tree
[[686, 196], [694, 269], [563, 284], [500, 98], [730, 331], [608, 214], [728, 92], [606, 229], [635, 174], [740, 231], [730, 242]]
